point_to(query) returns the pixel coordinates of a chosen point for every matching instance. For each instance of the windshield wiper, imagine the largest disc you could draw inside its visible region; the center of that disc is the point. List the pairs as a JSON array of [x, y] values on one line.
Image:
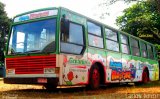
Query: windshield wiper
[[15, 53], [33, 51]]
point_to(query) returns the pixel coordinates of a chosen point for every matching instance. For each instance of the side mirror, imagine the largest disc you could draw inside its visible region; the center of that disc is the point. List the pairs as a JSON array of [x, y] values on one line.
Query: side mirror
[[1, 55], [64, 28], [1, 51]]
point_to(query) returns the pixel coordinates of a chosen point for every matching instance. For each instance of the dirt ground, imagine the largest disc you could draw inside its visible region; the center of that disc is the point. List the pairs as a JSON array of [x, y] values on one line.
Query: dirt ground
[[116, 91]]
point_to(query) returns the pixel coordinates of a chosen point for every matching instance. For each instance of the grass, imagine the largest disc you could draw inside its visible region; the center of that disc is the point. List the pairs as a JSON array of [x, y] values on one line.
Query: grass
[[117, 91]]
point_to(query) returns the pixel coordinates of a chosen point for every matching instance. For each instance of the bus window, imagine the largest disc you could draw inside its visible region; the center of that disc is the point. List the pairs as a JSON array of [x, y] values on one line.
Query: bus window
[[124, 44], [95, 35], [112, 40], [95, 41], [73, 39], [155, 52], [111, 35], [135, 47], [33, 37], [30, 41], [94, 29], [20, 41], [150, 51], [78, 36], [143, 49]]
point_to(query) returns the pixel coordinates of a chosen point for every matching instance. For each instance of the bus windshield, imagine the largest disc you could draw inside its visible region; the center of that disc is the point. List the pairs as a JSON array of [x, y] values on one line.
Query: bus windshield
[[34, 37]]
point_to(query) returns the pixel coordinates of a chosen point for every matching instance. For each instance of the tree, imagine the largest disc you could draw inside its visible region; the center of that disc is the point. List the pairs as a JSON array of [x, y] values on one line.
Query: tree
[[142, 20], [4, 24], [110, 2]]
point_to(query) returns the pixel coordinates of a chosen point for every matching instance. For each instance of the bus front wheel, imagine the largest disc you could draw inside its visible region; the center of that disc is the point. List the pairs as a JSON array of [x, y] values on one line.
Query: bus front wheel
[[94, 77]]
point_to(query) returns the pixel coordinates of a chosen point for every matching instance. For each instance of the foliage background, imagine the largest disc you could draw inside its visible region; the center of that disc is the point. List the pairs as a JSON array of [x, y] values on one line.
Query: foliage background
[[141, 20], [5, 23]]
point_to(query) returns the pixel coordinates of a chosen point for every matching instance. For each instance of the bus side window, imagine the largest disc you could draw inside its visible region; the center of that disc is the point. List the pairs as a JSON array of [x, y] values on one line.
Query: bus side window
[[95, 35], [112, 40], [155, 52], [72, 38], [135, 47], [124, 44], [144, 49], [150, 51]]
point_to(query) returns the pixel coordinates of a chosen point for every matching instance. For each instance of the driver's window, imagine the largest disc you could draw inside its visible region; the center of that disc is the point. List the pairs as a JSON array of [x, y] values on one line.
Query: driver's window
[[72, 41]]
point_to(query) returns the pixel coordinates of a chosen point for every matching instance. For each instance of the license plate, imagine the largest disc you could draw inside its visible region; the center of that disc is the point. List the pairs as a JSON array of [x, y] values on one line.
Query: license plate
[[42, 80]]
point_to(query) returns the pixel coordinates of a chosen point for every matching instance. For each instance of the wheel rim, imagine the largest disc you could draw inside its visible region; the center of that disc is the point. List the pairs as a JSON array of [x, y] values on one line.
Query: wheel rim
[[95, 78]]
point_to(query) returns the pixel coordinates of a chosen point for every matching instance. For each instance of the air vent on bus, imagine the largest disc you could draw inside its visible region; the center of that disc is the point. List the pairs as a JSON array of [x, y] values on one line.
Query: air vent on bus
[[31, 64]]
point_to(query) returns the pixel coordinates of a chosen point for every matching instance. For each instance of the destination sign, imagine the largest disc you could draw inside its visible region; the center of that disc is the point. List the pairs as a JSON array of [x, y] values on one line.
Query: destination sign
[[35, 15]]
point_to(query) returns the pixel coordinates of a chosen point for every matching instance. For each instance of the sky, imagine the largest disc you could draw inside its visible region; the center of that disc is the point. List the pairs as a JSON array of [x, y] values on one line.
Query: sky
[[89, 8]]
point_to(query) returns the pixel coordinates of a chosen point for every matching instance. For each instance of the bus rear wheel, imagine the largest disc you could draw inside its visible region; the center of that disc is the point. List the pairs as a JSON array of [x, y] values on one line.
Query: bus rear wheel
[[94, 77], [145, 76]]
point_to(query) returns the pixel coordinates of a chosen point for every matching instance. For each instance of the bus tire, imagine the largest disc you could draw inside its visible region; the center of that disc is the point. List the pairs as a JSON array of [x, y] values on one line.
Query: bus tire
[[145, 76], [94, 77], [50, 86]]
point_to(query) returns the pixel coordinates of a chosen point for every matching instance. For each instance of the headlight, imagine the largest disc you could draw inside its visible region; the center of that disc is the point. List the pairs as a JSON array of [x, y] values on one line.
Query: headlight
[[10, 71], [49, 70]]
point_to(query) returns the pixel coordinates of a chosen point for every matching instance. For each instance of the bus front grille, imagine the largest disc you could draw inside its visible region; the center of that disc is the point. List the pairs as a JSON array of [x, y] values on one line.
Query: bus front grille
[[31, 64]]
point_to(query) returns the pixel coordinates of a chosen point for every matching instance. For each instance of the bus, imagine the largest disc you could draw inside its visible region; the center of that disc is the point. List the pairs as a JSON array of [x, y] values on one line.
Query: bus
[[58, 47]]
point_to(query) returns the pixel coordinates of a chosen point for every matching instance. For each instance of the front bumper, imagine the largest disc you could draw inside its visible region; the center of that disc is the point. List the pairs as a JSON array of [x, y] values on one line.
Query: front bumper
[[30, 80]]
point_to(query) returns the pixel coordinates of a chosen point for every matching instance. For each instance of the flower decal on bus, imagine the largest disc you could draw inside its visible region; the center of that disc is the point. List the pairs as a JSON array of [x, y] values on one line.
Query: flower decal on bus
[[65, 60], [75, 69], [70, 76]]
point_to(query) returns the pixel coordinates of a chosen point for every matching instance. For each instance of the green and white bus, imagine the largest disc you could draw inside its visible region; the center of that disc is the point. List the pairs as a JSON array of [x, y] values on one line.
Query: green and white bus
[[56, 47]]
